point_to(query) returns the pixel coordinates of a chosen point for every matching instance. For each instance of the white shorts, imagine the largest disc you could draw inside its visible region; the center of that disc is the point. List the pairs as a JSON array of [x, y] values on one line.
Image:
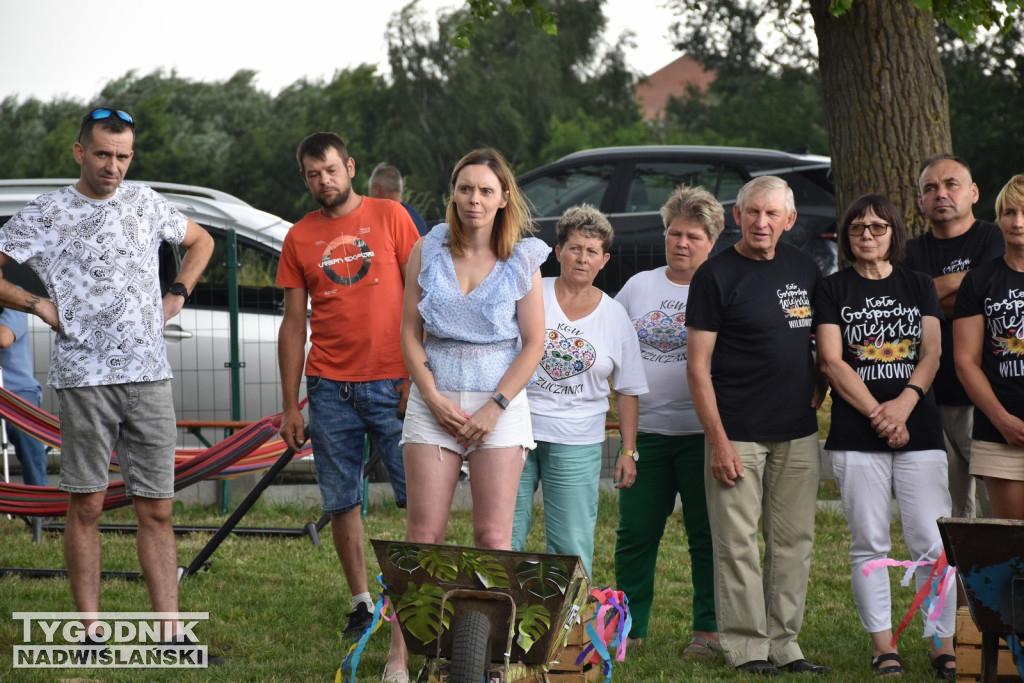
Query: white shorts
[[513, 429]]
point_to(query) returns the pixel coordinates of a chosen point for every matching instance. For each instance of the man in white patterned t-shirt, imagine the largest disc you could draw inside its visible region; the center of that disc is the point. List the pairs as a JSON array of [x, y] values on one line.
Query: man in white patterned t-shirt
[[95, 246]]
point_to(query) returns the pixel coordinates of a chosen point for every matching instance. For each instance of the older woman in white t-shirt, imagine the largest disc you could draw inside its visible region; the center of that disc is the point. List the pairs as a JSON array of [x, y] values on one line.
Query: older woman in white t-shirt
[[670, 437], [589, 338]]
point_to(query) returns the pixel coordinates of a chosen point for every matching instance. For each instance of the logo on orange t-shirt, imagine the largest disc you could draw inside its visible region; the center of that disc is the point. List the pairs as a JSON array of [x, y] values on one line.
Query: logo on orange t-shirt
[[351, 250]]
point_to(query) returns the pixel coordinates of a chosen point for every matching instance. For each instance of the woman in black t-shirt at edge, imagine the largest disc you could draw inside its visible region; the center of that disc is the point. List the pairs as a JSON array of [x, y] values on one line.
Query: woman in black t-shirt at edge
[[879, 343], [988, 338]]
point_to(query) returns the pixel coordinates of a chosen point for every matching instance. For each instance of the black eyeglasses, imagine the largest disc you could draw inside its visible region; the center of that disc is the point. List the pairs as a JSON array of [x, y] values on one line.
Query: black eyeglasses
[[876, 229]]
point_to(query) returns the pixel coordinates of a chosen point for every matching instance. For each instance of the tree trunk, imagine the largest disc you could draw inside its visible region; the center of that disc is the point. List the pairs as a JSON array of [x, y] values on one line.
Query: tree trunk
[[885, 99]]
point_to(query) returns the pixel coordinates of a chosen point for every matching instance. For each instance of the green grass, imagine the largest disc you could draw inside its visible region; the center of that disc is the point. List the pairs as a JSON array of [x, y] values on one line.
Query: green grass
[[277, 606]]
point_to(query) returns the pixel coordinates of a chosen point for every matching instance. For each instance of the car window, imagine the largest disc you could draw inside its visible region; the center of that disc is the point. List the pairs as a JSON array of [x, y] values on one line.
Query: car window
[[654, 181], [810, 186], [729, 185], [552, 194], [256, 270]]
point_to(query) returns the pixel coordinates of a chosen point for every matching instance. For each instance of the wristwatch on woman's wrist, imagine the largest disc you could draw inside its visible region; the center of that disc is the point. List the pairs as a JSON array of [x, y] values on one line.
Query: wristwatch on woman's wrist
[[500, 400], [917, 390], [632, 454]]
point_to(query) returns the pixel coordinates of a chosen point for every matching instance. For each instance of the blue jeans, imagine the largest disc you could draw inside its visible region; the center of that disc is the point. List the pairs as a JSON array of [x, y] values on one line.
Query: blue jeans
[[571, 476], [341, 414], [31, 453]]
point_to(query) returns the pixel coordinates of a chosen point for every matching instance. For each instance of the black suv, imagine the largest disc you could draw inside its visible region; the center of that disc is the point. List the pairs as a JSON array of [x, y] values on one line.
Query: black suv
[[631, 184]]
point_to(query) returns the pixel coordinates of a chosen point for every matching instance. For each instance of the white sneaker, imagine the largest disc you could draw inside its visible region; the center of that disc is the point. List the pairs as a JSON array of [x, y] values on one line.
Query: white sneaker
[[395, 676]]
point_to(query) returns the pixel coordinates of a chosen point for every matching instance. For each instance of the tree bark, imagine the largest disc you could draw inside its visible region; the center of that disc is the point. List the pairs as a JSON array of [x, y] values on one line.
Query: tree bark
[[885, 99]]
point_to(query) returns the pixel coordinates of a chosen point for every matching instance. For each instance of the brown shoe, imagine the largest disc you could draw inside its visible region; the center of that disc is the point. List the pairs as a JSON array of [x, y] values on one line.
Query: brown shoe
[[702, 647]]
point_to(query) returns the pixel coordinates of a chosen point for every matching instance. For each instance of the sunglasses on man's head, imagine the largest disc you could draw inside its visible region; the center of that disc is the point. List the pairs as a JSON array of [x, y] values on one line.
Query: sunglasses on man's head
[[104, 113], [100, 114]]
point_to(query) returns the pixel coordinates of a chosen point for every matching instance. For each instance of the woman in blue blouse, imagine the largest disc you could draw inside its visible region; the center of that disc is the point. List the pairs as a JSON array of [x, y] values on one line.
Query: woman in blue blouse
[[472, 293]]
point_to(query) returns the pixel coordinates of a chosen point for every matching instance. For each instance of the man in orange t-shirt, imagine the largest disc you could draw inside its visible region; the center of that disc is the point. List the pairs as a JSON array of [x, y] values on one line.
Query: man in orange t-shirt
[[347, 260]]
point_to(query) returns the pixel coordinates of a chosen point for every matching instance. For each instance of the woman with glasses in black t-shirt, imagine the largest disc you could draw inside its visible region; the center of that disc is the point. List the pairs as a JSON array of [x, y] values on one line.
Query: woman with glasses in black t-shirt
[[879, 343]]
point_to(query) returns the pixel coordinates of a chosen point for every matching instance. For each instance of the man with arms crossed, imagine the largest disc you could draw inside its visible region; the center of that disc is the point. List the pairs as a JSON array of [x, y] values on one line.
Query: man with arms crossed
[[348, 258], [755, 389], [95, 246], [956, 243]]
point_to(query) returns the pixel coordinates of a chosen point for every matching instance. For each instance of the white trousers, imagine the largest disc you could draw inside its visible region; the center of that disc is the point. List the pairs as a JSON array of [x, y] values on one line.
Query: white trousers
[[867, 482]]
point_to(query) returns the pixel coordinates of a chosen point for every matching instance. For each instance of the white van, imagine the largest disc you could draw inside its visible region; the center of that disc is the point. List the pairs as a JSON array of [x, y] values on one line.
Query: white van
[[199, 339]]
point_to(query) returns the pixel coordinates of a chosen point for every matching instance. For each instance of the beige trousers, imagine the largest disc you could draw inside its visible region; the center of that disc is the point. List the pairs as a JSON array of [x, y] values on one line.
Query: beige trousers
[[957, 423], [760, 615]]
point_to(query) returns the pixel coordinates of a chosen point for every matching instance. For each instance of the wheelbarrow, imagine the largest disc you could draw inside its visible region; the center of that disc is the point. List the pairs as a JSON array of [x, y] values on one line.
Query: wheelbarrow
[[479, 614], [989, 557]]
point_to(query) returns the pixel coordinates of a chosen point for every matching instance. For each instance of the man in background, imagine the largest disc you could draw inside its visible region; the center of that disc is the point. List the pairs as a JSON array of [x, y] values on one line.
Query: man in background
[[18, 377], [955, 243], [386, 183]]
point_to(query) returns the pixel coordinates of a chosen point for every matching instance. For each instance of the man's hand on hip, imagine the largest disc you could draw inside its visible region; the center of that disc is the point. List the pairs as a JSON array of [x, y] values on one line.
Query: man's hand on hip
[[47, 312]]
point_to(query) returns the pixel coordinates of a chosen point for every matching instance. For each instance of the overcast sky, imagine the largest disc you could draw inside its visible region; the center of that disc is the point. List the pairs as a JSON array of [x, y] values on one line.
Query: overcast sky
[[55, 48]]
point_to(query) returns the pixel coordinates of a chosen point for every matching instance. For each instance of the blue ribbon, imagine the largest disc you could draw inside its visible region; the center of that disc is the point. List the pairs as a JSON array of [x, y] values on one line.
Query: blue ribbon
[[355, 652]]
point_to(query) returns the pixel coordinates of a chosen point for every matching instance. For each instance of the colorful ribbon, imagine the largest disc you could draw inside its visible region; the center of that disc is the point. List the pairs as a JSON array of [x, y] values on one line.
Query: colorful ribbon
[[930, 599], [607, 630], [347, 671]]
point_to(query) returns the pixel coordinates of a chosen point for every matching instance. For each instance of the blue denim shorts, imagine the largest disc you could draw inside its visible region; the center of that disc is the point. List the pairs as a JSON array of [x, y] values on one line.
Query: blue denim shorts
[[135, 420], [341, 415]]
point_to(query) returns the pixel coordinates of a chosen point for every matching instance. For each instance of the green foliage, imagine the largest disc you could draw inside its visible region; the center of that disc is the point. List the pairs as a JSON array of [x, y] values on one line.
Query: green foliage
[[986, 93], [405, 556], [36, 138], [532, 622], [419, 608], [584, 130], [965, 17], [486, 568], [503, 91], [439, 564], [514, 87], [483, 11], [789, 113], [544, 578], [767, 92]]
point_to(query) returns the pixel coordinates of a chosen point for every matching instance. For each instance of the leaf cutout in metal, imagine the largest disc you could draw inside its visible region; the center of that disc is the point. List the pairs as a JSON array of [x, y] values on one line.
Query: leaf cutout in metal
[[532, 622], [544, 578], [418, 609], [404, 556], [439, 563], [486, 568]]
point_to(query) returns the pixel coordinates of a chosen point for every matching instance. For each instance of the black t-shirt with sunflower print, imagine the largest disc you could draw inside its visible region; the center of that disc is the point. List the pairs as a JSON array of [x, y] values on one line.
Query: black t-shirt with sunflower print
[[996, 292], [881, 324]]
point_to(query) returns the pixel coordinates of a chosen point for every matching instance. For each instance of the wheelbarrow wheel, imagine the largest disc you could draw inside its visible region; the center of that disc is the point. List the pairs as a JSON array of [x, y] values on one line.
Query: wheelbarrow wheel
[[471, 648]]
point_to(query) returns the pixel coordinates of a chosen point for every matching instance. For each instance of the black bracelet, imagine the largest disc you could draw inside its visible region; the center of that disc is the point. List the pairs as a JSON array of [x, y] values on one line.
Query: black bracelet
[[918, 390]]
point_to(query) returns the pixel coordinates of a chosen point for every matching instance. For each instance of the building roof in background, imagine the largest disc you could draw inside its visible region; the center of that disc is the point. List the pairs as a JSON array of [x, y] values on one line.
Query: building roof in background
[[672, 80]]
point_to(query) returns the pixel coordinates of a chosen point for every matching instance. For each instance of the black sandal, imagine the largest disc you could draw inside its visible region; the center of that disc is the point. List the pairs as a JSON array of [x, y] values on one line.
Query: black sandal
[[880, 668], [943, 672]]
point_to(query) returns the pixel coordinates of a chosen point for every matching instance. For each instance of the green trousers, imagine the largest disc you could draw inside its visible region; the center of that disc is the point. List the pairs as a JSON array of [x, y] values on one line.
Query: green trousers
[[669, 465]]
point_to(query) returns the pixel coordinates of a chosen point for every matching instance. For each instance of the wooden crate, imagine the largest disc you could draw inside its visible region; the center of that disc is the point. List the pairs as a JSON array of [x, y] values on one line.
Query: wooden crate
[[577, 641], [565, 669], [968, 652]]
